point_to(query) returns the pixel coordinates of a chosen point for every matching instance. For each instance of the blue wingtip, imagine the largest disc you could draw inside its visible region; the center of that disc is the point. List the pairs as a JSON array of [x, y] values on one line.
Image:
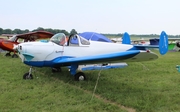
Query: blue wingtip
[[126, 38], [163, 43]]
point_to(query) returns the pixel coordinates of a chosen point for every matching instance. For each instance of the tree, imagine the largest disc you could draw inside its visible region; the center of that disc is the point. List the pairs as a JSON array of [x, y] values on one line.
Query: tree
[[17, 31], [49, 30], [65, 32], [26, 31], [7, 31], [73, 31], [39, 29], [1, 31]]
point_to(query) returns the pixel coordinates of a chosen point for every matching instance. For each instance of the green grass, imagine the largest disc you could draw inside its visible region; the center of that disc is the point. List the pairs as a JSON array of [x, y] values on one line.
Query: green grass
[[142, 86]]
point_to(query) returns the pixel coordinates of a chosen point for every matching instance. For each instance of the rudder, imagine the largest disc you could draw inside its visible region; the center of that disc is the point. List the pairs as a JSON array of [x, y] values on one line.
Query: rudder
[[126, 38], [163, 43]]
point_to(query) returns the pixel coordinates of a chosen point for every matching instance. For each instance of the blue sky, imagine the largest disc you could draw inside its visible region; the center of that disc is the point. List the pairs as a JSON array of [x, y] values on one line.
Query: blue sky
[[102, 16]]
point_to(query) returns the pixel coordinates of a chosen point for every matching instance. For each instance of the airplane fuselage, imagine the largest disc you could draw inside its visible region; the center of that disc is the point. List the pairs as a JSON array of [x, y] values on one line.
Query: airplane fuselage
[[47, 52]]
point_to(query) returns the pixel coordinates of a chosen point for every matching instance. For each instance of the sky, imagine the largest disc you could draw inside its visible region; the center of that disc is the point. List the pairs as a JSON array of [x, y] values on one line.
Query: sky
[[101, 16]]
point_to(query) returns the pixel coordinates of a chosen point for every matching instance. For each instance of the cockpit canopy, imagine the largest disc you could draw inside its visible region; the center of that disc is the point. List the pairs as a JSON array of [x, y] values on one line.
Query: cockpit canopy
[[73, 40], [13, 38], [59, 38]]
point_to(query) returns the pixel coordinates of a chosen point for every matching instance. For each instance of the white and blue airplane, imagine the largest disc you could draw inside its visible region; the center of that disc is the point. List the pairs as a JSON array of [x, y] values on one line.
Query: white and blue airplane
[[76, 50]]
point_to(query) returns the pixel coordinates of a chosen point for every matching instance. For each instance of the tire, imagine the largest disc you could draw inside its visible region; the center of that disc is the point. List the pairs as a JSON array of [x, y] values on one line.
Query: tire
[[27, 76], [14, 56], [178, 44], [8, 54], [80, 76]]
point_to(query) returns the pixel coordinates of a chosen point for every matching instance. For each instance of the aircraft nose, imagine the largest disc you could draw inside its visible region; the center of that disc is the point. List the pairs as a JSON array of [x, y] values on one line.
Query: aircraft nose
[[18, 48]]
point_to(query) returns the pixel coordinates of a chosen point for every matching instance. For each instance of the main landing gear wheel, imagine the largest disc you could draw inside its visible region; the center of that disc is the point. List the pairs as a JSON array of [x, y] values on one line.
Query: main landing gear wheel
[[178, 44], [14, 56], [8, 54], [27, 76], [80, 76]]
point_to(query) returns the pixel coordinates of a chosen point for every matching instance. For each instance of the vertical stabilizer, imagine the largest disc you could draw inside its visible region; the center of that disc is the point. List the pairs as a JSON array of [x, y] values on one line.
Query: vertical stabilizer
[[163, 43], [126, 38]]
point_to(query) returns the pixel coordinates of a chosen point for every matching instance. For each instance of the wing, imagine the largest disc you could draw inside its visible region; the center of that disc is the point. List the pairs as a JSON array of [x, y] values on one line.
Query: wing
[[96, 59], [35, 35]]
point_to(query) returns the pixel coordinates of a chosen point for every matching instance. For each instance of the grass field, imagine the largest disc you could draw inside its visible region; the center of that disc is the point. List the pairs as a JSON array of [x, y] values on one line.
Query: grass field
[[152, 86]]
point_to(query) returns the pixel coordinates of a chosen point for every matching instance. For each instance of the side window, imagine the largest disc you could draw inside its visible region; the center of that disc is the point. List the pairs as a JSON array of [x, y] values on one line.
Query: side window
[[84, 41]]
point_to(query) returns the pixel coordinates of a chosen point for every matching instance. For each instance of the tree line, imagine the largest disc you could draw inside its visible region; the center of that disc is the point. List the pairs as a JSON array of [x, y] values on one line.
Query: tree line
[[73, 31], [19, 31]]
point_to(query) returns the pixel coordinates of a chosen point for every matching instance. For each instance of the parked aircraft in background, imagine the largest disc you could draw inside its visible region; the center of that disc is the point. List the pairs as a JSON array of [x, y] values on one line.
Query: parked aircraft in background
[[174, 44], [59, 52], [8, 44]]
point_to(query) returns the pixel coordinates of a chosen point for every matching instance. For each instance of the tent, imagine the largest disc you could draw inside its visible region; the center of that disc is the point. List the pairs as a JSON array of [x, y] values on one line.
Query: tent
[[94, 36]]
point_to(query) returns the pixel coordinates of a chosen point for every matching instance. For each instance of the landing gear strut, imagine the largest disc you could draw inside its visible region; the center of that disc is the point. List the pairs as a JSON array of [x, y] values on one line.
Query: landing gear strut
[[28, 75]]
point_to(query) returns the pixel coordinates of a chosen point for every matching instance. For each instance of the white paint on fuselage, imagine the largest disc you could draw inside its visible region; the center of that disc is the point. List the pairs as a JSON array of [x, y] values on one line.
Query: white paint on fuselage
[[49, 51]]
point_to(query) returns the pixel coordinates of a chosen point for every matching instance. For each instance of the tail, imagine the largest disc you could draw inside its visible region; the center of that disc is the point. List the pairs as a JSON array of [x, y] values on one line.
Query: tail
[[126, 38], [163, 43]]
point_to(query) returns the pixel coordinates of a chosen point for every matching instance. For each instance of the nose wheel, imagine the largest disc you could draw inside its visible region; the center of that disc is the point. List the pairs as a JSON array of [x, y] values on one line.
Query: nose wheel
[[28, 75]]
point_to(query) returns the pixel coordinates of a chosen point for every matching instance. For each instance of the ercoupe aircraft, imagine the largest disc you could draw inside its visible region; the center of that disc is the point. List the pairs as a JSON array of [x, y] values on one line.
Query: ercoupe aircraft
[[79, 51], [8, 44]]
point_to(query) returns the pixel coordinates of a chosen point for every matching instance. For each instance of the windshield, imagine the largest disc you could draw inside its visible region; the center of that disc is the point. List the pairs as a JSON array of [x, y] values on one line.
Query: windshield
[[13, 38], [59, 39]]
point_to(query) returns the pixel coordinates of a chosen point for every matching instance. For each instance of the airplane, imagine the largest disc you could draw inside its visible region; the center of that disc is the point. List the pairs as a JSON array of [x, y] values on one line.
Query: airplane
[[174, 43], [8, 44], [58, 52]]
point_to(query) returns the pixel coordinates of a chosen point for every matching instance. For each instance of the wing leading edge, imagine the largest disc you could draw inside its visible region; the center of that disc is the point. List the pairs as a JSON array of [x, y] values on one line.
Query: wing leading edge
[[96, 59]]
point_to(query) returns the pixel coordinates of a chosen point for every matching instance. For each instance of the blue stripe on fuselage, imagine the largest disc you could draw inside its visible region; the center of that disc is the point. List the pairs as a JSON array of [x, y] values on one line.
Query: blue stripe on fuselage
[[45, 63], [67, 60]]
